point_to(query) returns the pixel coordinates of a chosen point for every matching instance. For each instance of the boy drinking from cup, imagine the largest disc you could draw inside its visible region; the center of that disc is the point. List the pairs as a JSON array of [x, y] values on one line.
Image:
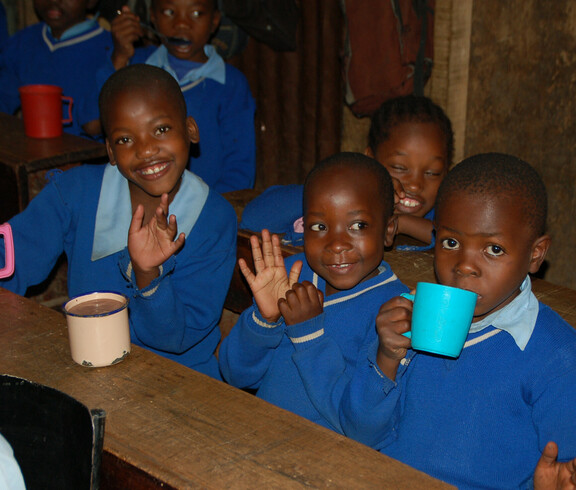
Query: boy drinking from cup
[[482, 420], [297, 330], [113, 223]]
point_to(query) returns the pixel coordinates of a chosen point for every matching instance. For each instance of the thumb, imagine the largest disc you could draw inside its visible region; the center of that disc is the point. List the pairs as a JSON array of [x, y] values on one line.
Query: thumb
[[549, 454]]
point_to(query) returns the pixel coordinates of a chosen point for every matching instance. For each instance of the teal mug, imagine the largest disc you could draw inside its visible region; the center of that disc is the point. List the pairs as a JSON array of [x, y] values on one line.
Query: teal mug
[[441, 318]]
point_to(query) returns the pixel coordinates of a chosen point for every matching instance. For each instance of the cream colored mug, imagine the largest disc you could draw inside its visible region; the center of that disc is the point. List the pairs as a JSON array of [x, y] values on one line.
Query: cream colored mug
[[98, 328]]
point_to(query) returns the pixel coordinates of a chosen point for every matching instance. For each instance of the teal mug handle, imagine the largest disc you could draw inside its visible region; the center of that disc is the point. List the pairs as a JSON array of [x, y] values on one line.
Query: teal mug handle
[[411, 298]]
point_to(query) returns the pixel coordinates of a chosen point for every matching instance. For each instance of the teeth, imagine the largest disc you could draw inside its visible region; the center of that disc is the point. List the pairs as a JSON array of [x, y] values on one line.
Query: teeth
[[153, 170], [340, 266], [409, 203]]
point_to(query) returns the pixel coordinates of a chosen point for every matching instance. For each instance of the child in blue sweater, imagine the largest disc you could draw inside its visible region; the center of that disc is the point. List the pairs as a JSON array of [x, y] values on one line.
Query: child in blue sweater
[[113, 223], [412, 137], [217, 94], [275, 346], [485, 419], [65, 49]]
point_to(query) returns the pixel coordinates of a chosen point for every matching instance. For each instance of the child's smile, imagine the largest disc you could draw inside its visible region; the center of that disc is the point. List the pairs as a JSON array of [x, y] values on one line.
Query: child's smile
[[344, 228]]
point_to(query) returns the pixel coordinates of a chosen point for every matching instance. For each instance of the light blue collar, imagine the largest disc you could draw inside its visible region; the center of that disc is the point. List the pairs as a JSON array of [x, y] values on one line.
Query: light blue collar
[[518, 318], [214, 68], [76, 29], [114, 212]]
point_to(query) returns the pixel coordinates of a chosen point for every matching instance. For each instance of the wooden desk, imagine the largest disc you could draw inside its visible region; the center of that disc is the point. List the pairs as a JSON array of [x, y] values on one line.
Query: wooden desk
[[168, 426], [21, 158], [410, 267]]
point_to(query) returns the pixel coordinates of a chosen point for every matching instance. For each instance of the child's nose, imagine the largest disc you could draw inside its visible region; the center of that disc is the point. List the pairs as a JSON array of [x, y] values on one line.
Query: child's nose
[[467, 265], [146, 148], [339, 242], [414, 182]]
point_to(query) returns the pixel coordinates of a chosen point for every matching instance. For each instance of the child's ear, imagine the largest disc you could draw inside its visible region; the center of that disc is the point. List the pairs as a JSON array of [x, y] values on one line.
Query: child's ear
[[110, 153], [391, 230], [216, 17], [539, 249], [368, 152], [192, 130]]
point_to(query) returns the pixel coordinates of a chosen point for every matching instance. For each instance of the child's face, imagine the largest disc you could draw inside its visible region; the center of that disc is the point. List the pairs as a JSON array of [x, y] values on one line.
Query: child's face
[[484, 244], [61, 15], [149, 139], [415, 154], [345, 230], [190, 20]]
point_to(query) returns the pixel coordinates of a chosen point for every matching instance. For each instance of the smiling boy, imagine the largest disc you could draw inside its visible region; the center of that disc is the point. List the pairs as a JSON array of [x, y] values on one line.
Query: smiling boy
[[482, 420], [217, 94], [297, 330], [113, 223]]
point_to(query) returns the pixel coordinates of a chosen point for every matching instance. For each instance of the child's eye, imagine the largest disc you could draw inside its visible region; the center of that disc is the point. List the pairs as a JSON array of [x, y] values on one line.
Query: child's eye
[[450, 244], [197, 13], [318, 227], [162, 130], [431, 173], [122, 140], [495, 250], [168, 12], [361, 225]]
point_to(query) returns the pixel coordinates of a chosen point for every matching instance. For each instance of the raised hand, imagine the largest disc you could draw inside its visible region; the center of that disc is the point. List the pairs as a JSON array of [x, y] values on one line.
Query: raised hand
[[552, 475], [303, 302], [150, 245], [270, 282], [126, 30]]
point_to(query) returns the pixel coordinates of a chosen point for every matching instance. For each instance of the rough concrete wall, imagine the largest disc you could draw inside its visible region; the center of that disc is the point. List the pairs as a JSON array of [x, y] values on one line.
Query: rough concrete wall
[[522, 100]]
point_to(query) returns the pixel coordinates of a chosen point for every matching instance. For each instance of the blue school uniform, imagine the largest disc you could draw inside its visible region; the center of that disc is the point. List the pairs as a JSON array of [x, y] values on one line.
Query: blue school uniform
[[86, 213], [218, 97], [285, 363], [34, 56], [483, 419]]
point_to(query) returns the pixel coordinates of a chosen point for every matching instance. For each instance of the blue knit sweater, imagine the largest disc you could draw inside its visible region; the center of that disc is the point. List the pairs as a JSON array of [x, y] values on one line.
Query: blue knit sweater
[[177, 314], [286, 363], [479, 421]]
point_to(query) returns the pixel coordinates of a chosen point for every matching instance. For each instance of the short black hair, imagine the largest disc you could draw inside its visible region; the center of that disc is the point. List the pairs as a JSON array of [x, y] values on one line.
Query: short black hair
[[497, 174], [139, 76], [215, 3], [409, 108], [356, 161]]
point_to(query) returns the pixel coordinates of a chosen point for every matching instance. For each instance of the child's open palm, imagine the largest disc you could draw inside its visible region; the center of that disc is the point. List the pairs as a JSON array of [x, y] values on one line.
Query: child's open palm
[[271, 282], [151, 244]]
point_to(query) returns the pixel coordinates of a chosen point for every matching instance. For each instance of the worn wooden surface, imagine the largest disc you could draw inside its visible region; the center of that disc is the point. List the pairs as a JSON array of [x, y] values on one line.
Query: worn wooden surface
[[23, 161], [168, 425]]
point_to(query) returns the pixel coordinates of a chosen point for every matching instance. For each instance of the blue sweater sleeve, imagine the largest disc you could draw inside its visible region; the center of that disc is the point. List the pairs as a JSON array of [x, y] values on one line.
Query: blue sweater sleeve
[[181, 307], [238, 141], [247, 352], [371, 402]]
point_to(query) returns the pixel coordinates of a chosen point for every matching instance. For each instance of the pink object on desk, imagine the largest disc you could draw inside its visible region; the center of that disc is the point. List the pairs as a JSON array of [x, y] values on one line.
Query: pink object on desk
[[6, 231]]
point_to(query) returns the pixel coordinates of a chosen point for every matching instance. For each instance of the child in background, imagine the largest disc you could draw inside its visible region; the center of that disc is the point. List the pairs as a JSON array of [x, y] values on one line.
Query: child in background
[[274, 347], [484, 419], [412, 137], [65, 49], [217, 94], [113, 223]]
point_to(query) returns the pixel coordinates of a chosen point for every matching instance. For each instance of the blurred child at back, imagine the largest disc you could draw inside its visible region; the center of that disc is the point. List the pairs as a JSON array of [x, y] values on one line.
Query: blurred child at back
[[410, 136], [66, 48], [217, 94], [113, 223], [482, 420], [296, 330]]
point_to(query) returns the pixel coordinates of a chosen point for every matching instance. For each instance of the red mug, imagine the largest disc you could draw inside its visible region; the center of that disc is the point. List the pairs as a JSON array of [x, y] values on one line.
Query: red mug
[[8, 269], [42, 110]]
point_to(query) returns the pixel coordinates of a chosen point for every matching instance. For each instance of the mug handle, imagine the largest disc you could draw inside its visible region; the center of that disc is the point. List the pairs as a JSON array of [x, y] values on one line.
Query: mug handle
[[70, 101], [411, 298], [8, 269]]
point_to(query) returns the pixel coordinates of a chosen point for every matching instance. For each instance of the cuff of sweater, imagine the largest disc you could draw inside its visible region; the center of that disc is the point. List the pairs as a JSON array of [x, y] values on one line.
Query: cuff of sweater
[[127, 271], [386, 383], [306, 334], [257, 322]]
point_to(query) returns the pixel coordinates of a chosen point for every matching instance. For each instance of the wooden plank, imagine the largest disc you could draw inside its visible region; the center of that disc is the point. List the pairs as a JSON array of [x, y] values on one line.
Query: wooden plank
[[171, 425]]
